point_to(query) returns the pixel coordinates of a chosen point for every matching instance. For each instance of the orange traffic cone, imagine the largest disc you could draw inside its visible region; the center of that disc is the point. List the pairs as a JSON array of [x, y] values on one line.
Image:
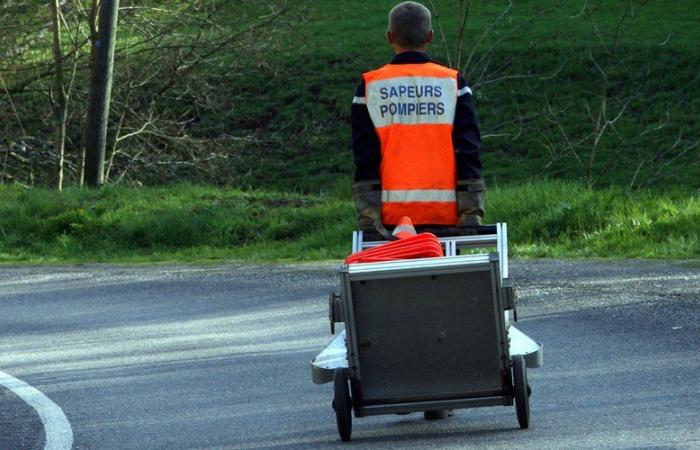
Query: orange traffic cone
[[404, 228]]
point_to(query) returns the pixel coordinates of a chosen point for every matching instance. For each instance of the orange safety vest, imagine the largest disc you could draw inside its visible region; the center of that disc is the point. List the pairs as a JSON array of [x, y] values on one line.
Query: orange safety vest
[[412, 107]]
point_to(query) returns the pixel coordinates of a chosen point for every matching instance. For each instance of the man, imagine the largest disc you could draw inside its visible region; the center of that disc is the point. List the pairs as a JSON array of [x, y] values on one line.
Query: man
[[415, 136], [416, 141]]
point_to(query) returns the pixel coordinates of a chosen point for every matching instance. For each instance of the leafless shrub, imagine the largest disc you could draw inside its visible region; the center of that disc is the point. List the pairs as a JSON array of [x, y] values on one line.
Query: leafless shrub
[[167, 61], [589, 131]]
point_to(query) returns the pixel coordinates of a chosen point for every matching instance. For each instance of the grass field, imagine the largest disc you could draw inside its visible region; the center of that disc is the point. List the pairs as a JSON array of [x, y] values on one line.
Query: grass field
[[195, 223], [533, 102], [542, 75]]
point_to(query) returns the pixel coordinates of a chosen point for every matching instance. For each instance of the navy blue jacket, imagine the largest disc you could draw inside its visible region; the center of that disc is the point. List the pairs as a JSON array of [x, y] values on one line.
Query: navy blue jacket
[[466, 137]]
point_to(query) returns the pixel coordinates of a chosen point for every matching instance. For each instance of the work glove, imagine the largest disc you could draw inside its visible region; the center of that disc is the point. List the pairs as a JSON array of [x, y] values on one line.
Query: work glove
[[368, 201], [470, 202]]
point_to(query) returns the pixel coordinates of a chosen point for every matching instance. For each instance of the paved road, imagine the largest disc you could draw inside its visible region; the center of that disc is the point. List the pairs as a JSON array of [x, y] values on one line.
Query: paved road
[[217, 357]]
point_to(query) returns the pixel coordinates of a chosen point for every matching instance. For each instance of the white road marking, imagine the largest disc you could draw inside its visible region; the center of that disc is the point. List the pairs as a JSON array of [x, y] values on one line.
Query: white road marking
[[59, 435]]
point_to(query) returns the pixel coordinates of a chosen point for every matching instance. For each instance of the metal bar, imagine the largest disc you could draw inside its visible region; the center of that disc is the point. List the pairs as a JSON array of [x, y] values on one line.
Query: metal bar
[[475, 241], [504, 262], [463, 260], [397, 408], [418, 265], [353, 355], [356, 241], [503, 345], [499, 243], [419, 273], [460, 241]]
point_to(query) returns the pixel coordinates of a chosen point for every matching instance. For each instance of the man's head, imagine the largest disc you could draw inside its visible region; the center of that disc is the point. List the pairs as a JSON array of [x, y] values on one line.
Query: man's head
[[410, 27]]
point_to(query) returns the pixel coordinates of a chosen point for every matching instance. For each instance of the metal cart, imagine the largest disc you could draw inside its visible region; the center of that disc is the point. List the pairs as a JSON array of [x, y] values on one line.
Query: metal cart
[[427, 334]]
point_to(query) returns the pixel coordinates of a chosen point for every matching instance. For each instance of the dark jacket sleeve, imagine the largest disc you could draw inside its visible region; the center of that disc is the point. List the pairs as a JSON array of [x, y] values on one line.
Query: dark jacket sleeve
[[366, 147], [466, 137]]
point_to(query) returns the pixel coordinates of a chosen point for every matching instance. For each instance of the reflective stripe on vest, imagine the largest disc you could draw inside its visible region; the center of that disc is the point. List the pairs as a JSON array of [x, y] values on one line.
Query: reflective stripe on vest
[[412, 107], [419, 195]]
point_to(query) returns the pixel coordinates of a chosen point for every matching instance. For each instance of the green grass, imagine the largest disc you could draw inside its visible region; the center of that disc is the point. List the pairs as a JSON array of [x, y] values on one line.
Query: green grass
[[180, 223], [199, 224], [288, 94], [288, 97], [303, 120]]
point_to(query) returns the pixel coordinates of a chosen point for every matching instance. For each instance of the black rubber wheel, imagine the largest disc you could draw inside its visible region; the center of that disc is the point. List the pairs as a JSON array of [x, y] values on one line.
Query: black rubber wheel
[[343, 405], [522, 397]]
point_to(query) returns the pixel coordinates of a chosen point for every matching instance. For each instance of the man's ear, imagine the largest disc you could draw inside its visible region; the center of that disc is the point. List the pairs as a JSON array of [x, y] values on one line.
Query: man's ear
[[429, 37], [389, 37]]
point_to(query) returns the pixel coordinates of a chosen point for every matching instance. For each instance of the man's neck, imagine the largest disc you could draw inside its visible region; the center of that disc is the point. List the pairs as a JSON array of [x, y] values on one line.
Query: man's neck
[[398, 50], [412, 51]]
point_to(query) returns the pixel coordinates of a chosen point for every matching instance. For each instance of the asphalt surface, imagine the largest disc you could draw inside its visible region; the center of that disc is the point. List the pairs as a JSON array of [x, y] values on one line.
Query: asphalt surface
[[218, 357]]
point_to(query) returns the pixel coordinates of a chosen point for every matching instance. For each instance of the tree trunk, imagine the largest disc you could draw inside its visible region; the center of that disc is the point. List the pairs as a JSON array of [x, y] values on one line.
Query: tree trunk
[[100, 90], [92, 23], [59, 103]]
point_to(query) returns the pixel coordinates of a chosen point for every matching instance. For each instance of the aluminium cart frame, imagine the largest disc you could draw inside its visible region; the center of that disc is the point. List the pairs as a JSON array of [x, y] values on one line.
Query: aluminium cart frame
[[427, 334]]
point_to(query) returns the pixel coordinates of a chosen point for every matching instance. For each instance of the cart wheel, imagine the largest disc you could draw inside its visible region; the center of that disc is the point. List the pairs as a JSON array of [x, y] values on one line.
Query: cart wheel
[[342, 405], [522, 397]]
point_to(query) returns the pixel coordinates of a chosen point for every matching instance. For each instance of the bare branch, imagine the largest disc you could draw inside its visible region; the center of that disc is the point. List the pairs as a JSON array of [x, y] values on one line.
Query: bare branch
[[14, 107], [486, 32], [443, 39], [464, 8]]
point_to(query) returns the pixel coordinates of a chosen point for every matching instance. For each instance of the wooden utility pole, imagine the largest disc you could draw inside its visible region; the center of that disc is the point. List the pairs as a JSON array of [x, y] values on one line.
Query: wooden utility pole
[[100, 90]]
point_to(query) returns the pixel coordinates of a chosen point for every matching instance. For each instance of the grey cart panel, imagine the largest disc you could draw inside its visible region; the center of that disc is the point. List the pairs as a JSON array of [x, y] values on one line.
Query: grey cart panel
[[427, 334], [446, 323]]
